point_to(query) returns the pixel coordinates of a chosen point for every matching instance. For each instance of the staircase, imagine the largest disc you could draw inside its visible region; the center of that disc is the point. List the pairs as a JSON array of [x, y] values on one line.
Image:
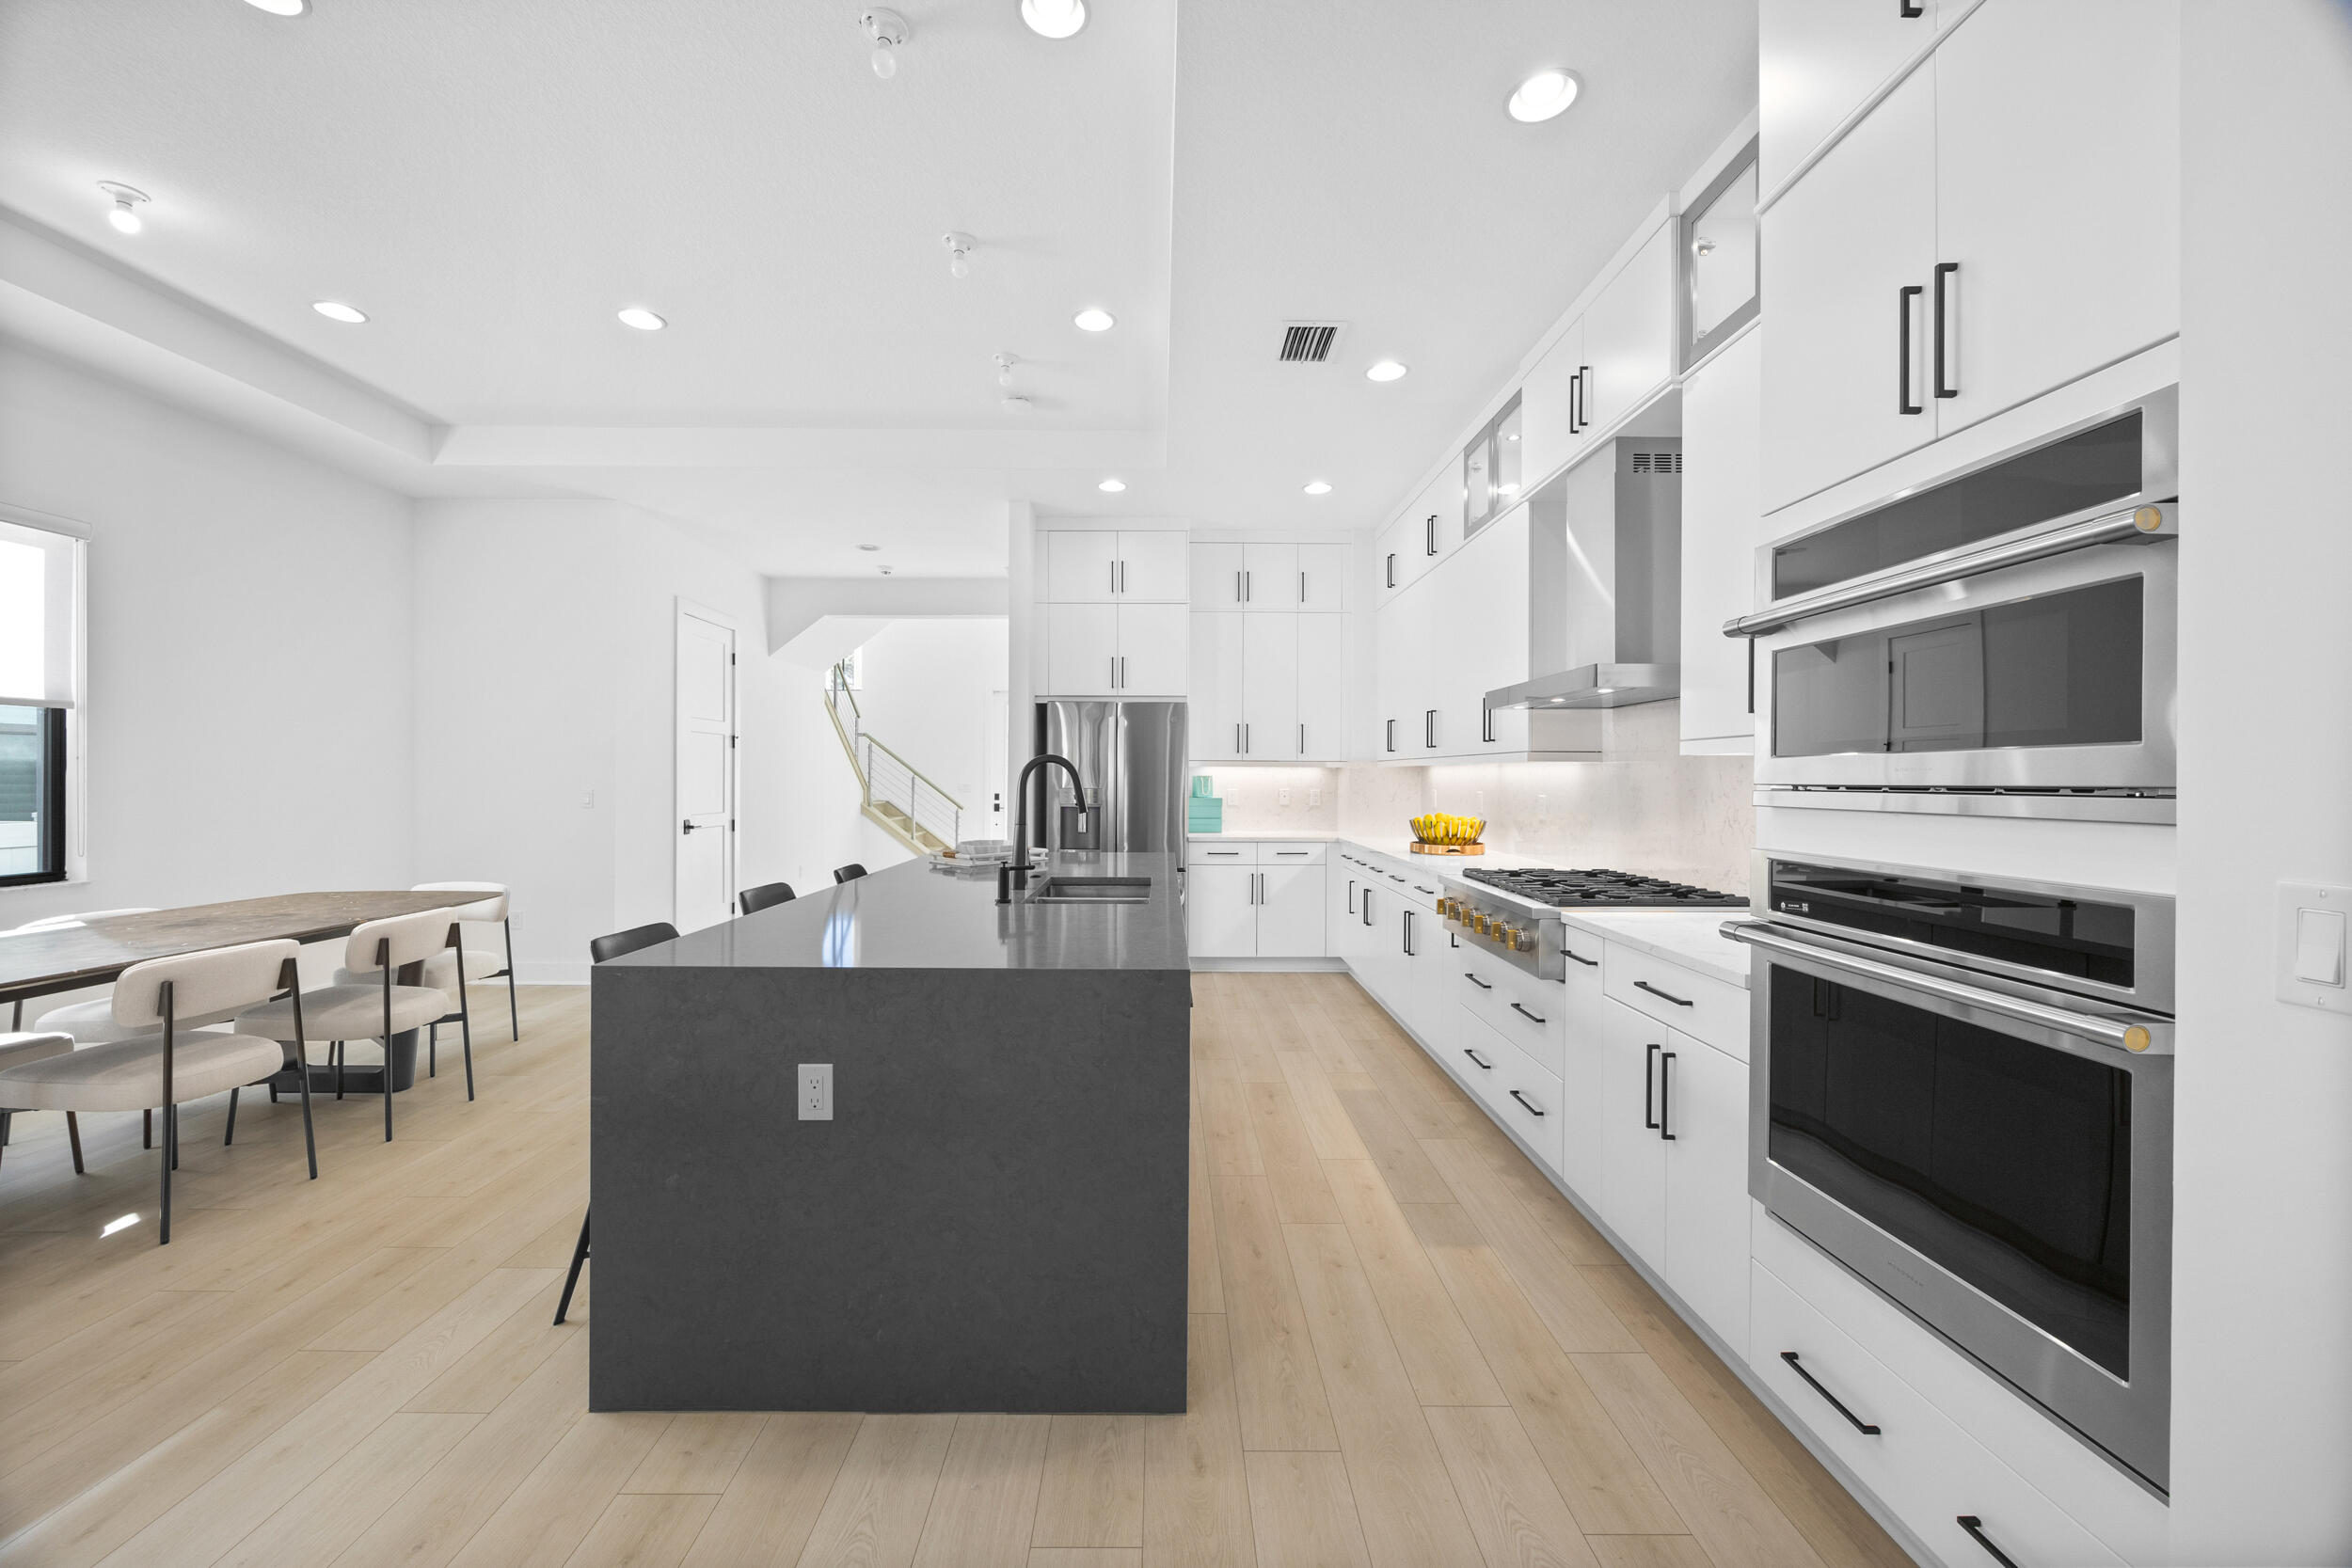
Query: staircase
[[895, 797]]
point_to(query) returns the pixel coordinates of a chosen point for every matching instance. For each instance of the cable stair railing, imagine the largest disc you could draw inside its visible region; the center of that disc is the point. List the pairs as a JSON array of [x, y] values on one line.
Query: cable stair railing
[[893, 794]]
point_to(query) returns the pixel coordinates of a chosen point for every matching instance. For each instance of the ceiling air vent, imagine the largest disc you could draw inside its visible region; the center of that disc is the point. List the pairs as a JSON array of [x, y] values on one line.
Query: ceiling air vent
[[1657, 462], [1308, 342]]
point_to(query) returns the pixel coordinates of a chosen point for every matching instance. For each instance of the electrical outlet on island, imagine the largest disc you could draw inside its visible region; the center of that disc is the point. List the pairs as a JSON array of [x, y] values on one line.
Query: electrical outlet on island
[[815, 1091]]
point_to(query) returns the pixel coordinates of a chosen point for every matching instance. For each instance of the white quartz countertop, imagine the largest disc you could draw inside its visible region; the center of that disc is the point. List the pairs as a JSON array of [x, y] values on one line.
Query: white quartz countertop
[[1263, 838], [1685, 937]]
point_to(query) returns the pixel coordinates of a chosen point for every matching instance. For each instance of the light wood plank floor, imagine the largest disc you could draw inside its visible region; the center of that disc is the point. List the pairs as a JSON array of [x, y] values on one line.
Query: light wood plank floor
[[1406, 1350]]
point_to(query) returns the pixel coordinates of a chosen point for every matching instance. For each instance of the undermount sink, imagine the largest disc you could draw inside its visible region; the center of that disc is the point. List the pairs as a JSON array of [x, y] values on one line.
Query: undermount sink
[[1092, 890]]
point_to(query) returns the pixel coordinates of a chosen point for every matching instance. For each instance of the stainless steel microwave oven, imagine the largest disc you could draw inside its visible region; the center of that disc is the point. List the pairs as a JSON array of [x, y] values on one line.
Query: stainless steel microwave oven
[[2010, 631]]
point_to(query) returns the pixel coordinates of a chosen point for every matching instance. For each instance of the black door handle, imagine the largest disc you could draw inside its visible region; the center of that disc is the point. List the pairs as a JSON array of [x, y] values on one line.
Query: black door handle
[[1975, 1527], [1649, 1088], [1834, 1402], [1524, 1013], [1943, 270], [1665, 1096], [1903, 350], [1677, 1000], [1476, 981], [686, 826], [1523, 1100], [1481, 1061]]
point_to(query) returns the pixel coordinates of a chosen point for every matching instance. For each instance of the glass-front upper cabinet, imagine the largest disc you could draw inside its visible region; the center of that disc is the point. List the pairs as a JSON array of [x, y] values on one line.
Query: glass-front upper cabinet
[[1720, 275], [1490, 469]]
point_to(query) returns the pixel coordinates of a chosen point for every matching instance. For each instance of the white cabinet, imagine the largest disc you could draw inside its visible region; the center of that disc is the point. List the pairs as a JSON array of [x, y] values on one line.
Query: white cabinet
[[1550, 430], [1098, 565], [1582, 1056], [1840, 251], [1721, 530], [1269, 687], [1431, 526], [2058, 194], [1289, 911], [1254, 577], [1322, 687], [1115, 650], [1402, 632], [1816, 61], [1322, 574], [1215, 694], [1222, 910], [1703, 1111], [1632, 1194], [2005, 221], [1628, 334]]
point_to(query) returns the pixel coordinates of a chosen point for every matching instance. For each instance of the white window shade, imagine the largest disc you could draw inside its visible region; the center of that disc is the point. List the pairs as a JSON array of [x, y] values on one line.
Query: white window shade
[[39, 574]]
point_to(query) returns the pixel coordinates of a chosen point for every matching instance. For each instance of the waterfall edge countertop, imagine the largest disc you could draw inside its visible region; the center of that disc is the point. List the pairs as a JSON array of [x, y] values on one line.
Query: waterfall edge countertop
[[913, 917], [990, 1213]]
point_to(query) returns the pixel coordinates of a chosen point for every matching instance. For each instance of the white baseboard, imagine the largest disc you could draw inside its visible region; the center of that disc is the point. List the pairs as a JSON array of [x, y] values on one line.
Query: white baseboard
[[1270, 966]]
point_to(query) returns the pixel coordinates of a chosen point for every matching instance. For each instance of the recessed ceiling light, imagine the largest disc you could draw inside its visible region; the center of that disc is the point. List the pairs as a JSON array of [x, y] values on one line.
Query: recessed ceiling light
[[1544, 95], [1054, 19], [1093, 320], [869, 547], [1385, 370], [641, 319], [280, 8], [1317, 487], [127, 199], [336, 310], [1112, 486], [1016, 405]]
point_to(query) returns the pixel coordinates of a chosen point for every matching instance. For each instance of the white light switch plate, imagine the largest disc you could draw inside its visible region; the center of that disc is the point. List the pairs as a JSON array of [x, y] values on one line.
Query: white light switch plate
[[2314, 946]]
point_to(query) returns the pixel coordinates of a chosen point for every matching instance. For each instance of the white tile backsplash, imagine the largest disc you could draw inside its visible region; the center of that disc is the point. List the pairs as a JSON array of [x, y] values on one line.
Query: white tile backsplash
[[1254, 804]]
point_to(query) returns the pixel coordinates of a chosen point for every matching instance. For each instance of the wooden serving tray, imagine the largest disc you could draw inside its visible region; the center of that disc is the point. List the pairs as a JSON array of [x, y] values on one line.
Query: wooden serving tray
[[1419, 848]]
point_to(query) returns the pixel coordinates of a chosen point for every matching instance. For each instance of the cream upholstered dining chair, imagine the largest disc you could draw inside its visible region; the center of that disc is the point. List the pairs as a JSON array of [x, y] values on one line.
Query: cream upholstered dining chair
[[373, 1010], [479, 964], [172, 1067], [95, 1016], [17, 1048]]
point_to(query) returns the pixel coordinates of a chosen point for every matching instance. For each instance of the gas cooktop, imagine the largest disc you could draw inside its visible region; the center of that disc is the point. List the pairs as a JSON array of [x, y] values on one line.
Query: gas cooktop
[[1619, 890]]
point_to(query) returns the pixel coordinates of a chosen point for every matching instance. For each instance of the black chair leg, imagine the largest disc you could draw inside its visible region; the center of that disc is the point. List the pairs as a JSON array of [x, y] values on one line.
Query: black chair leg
[[229, 1136], [73, 1138], [387, 1090], [166, 1159], [580, 1256], [171, 1134], [433, 1052], [514, 1013], [310, 1143], [465, 1029], [335, 1054], [7, 1124]]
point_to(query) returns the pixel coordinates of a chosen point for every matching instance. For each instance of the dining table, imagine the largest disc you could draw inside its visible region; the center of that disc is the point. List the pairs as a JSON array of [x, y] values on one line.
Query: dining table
[[54, 959]]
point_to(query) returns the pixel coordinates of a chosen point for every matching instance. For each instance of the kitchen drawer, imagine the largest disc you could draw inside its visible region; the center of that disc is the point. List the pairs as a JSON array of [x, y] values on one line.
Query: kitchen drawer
[[1221, 852], [1480, 1057], [1921, 1464], [1700, 1006], [1527, 1012], [2014, 1430], [1275, 852], [1533, 1106]]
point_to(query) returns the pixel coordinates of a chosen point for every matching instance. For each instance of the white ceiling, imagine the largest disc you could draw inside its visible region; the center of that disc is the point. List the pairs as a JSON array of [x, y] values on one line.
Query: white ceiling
[[491, 179]]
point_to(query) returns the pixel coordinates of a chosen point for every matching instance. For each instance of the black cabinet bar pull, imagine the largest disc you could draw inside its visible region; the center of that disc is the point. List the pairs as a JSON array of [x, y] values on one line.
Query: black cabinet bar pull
[[1665, 1096], [1524, 1013], [1903, 350], [1835, 1404], [1572, 953], [1649, 1088], [1975, 1527], [1237, 593], [1943, 270], [1476, 981], [1576, 387], [1523, 1100], [1484, 1064], [1392, 568], [1677, 1000], [1351, 896]]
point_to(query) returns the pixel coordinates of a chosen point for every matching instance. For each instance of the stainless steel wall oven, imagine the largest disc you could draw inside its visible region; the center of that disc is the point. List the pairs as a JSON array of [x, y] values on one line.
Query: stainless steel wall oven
[[1962, 1091], [2008, 632]]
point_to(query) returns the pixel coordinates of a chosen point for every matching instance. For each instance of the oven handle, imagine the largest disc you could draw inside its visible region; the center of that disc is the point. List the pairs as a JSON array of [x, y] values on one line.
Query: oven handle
[[2138, 525], [2122, 1035]]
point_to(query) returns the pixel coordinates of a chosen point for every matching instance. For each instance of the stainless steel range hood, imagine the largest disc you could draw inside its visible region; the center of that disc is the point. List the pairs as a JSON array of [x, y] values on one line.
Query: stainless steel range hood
[[1616, 637]]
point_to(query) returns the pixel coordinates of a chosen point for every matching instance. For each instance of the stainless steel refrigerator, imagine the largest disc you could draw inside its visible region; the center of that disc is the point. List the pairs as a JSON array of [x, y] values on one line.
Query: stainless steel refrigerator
[[1130, 756]]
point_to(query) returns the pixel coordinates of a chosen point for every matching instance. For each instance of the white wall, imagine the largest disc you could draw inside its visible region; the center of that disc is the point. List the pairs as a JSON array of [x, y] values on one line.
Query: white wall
[[546, 647], [2261, 1419], [925, 693], [249, 710]]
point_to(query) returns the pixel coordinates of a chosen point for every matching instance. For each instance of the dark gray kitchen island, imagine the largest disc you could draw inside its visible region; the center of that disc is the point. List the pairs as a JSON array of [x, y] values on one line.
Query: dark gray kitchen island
[[995, 1216]]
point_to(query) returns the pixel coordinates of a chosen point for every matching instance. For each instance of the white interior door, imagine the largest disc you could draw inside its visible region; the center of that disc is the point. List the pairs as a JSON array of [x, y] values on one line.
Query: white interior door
[[706, 771]]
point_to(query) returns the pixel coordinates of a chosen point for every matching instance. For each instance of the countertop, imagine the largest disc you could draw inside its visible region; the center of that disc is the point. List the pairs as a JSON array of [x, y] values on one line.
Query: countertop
[[913, 917]]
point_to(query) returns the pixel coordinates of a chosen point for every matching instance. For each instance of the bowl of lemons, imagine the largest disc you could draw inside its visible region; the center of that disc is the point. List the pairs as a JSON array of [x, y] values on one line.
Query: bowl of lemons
[[1441, 833]]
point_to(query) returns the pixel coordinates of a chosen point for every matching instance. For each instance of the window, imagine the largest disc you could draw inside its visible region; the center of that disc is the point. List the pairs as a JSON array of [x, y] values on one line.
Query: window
[[40, 615]]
